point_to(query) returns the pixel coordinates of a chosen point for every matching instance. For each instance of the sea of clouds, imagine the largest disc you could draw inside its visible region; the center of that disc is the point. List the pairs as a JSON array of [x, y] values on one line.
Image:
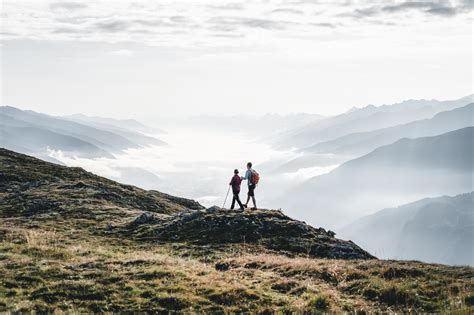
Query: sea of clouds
[[198, 164]]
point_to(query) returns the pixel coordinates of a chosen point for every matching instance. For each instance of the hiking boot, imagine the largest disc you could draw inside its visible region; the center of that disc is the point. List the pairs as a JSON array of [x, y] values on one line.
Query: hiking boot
[[245, 205], [254, 208]]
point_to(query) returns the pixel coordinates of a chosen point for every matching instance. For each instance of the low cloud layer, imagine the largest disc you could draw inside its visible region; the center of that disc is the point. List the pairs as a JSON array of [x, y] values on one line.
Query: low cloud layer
[[67, 5], [232, 56], [200, 23], [436, 8]]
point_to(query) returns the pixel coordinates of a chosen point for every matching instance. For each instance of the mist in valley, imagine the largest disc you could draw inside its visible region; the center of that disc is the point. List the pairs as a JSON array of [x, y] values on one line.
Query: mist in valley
[[338, 184], [198, 163], [343, 110]]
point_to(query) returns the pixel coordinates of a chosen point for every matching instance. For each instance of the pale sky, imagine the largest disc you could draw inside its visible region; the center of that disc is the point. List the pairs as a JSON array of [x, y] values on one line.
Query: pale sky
[[150, 58]]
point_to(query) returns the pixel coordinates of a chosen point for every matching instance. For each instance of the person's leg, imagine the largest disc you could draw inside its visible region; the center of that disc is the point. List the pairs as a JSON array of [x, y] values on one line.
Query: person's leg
[[254, 202], [252, 195], [248, 199], [233, 203], [239, 202]]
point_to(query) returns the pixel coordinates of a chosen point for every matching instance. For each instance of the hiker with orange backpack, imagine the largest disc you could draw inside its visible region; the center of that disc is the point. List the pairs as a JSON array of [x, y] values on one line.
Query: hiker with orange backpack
[[252, 178]]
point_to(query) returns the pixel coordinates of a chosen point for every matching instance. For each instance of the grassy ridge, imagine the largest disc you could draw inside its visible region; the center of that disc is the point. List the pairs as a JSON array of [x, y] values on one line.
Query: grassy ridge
[[66, 245], [46, 270]]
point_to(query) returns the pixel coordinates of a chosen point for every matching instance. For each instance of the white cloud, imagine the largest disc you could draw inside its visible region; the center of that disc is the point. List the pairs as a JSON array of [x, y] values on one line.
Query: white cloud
[[123, 52], [253, 56], [203, 23], [309, 172]]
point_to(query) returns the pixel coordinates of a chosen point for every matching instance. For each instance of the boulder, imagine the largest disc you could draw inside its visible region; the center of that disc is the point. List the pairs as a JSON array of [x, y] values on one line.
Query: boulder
[[214, 209]]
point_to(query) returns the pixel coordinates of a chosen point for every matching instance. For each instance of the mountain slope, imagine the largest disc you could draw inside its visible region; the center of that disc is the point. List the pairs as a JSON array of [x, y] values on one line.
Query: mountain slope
[[45, 187], [433, 230], [365, 119], [31, 187], [114, 141], [119, 127], [362, 143], [37, 140], [129, 124], [103, 139], [404, 171], [71, 241]]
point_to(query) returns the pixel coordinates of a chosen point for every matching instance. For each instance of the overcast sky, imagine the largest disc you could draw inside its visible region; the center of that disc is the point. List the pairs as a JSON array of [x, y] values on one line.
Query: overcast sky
[[147, 58]]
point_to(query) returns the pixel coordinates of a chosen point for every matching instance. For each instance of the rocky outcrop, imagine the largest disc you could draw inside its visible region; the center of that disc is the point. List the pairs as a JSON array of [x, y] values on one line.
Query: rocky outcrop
[[269, 228]]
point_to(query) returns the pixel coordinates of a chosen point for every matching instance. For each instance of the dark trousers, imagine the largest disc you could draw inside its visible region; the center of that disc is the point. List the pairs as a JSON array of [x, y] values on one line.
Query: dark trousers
[[236, 198]]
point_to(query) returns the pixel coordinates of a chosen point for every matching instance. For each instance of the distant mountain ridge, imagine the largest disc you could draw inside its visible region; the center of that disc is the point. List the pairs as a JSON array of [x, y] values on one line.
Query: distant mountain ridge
[[406, 170], [451, 150], [123, 124], [364, 142], [35, 133], [357, 144], [365, 119], [432, 230]]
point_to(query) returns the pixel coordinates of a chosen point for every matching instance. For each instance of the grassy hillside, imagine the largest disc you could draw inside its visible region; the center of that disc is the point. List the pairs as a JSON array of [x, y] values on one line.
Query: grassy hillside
[[73, 241]]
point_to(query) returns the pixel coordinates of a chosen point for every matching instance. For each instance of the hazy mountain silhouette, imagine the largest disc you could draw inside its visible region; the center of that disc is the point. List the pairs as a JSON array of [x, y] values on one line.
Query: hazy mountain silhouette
[[128, 124], [134, 136], [138, 177], [432, 230], [364, 142], [33, 139], [34, 132], [365, 119], [404, 171]]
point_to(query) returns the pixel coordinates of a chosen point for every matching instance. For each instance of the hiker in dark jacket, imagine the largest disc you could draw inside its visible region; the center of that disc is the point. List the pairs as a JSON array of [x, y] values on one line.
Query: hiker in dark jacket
[[251, 186], [235, 183]]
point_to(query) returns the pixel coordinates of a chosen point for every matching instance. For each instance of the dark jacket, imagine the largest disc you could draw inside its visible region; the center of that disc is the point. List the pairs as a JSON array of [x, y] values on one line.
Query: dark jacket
[[235, 183]]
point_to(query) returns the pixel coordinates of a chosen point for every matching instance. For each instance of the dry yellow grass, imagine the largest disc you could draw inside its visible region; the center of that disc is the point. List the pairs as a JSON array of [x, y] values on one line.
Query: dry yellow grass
[[65, 247], [43, 272]]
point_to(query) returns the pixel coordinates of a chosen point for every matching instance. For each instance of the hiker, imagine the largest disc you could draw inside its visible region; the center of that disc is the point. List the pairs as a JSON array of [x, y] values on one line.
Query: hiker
[[252, 179], [235, 183]]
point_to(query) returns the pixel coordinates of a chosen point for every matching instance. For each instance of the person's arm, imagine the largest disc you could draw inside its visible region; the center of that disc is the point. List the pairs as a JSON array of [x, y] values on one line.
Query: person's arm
[[231, 181], [247, 175]]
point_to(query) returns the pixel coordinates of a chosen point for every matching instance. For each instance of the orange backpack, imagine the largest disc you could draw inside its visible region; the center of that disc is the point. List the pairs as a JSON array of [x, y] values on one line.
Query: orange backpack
[[255, 178]]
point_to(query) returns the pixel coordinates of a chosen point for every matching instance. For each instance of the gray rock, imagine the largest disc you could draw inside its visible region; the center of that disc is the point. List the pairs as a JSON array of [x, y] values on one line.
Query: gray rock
[[271, 229], [214, 209], [145, 218]]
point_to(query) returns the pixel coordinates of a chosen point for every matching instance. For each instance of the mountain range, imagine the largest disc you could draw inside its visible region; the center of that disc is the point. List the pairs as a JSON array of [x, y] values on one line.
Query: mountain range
[[121, 124], [357, 144], [36, 133], [364, 119], [404, 171], [432, 229]]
